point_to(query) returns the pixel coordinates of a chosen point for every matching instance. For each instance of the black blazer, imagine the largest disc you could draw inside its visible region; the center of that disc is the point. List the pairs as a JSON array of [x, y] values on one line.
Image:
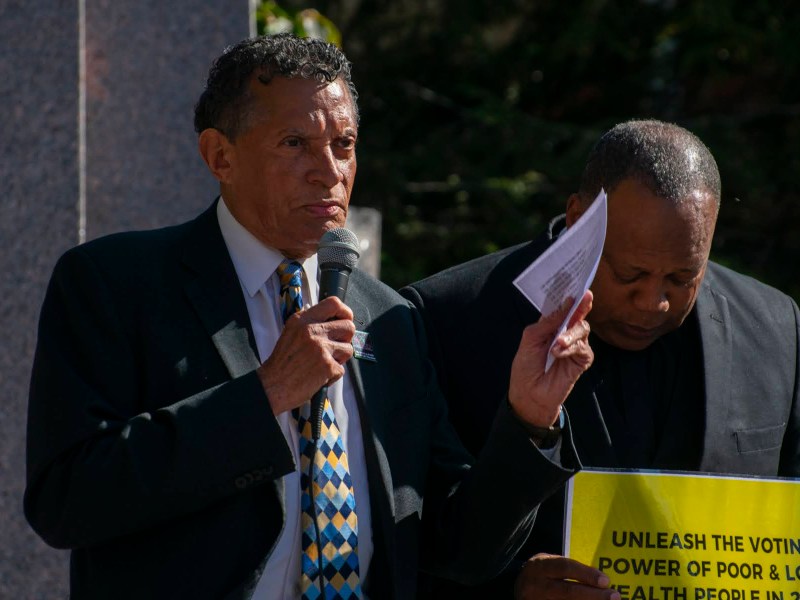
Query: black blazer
[[749, 334], [153, 455]]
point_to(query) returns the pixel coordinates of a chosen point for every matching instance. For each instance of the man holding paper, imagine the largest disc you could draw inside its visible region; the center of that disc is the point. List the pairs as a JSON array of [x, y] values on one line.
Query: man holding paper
[[696, 366]]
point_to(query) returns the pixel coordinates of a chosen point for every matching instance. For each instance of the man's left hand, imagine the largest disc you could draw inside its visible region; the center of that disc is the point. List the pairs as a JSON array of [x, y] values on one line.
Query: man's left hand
[[535, 395]]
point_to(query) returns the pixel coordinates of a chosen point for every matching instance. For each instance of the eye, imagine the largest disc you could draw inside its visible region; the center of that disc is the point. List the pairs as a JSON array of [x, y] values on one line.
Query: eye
[[621, 273], [626, 279], [292, 141], [346, 143], [683, 281]]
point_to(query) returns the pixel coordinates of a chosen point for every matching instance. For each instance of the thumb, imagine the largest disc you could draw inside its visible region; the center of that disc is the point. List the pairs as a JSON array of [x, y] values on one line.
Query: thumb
[[583, 309], [544, 330]]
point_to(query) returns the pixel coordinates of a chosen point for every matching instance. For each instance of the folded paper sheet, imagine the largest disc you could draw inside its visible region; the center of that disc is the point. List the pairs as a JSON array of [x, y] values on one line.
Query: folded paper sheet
[[566, 269]]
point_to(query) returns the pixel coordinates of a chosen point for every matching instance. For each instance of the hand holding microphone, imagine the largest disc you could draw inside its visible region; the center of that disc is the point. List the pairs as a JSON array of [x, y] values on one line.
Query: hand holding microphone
[[315, 343]]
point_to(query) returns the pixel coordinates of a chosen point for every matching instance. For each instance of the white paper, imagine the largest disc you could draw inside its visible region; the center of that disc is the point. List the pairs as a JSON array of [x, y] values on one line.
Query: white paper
[[567, 267]]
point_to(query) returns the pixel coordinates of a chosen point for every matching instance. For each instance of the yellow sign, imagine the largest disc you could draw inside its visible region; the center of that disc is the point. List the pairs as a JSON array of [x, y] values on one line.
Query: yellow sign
[[671, 536]]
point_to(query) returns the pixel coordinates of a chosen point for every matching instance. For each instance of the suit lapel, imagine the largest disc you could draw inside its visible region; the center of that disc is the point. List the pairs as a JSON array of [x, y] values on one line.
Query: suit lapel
[[373, 433], [214, 291], [715, 336]]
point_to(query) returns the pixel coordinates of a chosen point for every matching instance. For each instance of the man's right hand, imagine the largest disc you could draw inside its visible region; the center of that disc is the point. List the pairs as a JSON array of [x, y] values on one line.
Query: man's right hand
[[550, 577], [310, 353]]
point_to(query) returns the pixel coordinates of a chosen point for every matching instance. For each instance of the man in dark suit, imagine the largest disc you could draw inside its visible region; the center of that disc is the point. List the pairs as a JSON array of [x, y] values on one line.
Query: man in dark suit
[[696, 366], [172, 377]]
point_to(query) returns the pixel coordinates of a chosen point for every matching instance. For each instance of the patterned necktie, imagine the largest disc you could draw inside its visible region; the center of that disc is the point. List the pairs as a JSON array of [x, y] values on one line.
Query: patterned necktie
[[291, 276], [327, 503]]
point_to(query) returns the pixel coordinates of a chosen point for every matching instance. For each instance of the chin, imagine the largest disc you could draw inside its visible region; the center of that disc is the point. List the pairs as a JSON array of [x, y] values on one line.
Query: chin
[[625, 342], [634, 345], [339, 221]]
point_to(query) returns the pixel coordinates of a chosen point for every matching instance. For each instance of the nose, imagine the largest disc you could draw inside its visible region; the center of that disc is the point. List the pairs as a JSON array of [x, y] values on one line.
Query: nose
[[651, 297], [325, 168]]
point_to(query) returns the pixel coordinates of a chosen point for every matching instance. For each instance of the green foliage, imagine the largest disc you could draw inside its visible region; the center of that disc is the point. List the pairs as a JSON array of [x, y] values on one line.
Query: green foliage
[[308, 22], [477, 117]]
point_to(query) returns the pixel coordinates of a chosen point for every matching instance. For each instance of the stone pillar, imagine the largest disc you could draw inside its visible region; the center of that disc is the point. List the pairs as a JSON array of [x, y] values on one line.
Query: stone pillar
[[38, 84], [366, 224], [145, 65]]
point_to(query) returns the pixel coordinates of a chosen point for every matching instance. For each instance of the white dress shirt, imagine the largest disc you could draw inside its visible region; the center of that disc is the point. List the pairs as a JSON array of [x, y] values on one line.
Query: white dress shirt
[[255, 266]]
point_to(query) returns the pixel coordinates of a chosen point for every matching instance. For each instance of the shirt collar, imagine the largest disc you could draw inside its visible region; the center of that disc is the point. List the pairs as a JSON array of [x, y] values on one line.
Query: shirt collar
[[254, 261]]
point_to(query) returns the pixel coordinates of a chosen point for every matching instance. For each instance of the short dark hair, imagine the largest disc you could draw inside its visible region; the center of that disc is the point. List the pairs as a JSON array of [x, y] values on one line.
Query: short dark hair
[[669, 160], [226, 103]]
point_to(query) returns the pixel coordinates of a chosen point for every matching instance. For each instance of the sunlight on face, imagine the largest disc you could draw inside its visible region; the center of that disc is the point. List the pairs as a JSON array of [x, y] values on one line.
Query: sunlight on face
[[292, 170]]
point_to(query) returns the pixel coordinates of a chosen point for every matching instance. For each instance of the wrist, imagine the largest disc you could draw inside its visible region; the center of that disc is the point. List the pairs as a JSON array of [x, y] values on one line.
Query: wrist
[[547, 437], [544, 437]]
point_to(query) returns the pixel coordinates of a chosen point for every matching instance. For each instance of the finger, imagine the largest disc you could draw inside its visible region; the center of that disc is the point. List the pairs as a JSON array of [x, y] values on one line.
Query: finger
[[341, 330], [558, 315], [572, 337], [561, 567], [545, 328], [341, 352], [578, 355], [566, 590], [329, 309], [557, 577], [583, 308]]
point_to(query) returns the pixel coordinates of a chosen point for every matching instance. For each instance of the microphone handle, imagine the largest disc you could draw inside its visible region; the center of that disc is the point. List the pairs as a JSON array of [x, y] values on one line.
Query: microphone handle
[[332, 282], [317, 409]]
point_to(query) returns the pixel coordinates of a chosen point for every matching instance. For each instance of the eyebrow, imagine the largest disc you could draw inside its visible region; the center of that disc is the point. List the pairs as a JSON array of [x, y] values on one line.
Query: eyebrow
[[633, 267], [302, 131], [690, 272]]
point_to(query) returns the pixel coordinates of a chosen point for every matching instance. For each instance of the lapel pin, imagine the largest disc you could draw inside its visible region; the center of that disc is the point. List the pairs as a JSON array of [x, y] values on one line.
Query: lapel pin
[[362, 346]]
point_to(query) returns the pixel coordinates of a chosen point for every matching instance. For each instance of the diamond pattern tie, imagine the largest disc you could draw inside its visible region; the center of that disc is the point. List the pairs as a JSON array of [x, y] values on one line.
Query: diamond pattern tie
[[329, 567]]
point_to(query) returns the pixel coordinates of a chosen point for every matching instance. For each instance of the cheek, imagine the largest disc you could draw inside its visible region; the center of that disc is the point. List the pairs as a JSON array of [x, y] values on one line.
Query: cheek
[[607, 295], [683, 301], [347, 164]]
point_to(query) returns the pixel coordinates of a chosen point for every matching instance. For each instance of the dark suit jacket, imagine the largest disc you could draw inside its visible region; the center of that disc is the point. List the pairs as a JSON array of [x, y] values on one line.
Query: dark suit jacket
[[749, 333], [153, 454]]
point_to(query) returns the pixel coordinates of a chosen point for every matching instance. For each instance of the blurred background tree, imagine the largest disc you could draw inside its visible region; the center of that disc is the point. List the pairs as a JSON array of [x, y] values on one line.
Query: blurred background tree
[[477, 116]]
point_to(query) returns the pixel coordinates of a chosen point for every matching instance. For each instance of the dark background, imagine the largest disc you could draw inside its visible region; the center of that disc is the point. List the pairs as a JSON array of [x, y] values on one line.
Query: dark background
[[477, 116]]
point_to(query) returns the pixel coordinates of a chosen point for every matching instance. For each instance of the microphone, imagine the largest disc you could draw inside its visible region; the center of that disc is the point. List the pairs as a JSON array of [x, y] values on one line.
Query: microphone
[[337, 256]]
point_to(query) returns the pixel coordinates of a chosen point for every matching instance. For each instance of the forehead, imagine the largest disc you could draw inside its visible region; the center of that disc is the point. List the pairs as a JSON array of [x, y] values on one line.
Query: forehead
[[647, 231], [295, 99]]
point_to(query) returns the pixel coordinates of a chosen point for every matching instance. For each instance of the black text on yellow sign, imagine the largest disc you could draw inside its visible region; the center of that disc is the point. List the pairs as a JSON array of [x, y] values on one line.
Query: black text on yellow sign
[[662, 536]]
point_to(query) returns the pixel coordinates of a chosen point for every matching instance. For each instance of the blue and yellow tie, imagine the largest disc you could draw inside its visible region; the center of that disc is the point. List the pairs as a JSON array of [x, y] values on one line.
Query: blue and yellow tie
[[291, 275], [328, 505]]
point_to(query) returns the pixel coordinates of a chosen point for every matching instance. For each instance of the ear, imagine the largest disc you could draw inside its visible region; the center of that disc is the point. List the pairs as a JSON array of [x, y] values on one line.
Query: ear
[[217, 153], [575, 209]]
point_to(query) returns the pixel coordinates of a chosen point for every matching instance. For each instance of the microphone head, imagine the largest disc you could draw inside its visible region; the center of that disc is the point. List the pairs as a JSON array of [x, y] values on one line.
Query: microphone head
[[338, 246]]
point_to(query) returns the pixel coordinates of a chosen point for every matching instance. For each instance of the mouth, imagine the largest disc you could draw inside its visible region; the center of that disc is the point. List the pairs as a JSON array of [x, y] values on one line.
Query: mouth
[[638, 333], [324, 209]]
